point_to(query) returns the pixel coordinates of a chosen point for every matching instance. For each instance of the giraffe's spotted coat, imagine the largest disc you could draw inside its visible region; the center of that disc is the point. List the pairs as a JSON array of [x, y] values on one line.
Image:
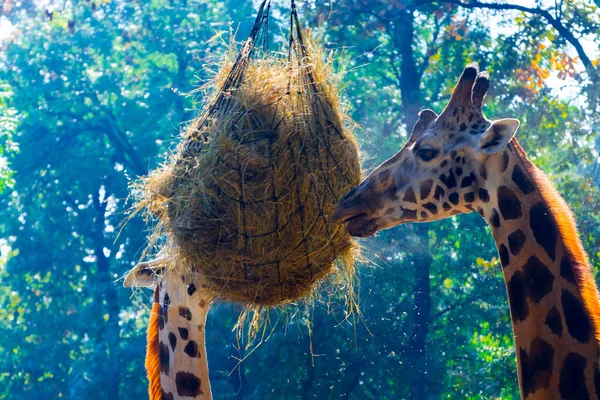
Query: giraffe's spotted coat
[[180, 349], [185, 313], [577, 321], [191, 349], [188, 384], [505, 160], [495, 220], [522, 181], [484, 195], [517, 297], [516, 241], [409, 196], [448, 180], [468, 180], [543, 228], [439, 193], [566, 270], [504, 257], [432, 208], [454, 199], [553, 321], [538, 279], [509, 203], [164, 357], [426, 189], [183, 333], [536, 366], [172, 340], [572, 378], [469, 197], [167, 396]]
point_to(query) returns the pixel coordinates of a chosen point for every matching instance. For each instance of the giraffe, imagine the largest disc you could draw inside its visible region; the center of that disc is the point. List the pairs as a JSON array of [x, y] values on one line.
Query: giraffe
[[176, 362], [459, 162]]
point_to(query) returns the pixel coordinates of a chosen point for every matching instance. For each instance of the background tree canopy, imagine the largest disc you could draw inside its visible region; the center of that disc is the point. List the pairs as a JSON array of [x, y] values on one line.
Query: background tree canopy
[[92, 96]]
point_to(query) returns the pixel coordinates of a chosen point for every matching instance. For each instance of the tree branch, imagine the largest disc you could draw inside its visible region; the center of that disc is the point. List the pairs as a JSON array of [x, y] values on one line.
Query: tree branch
[[554, 22]]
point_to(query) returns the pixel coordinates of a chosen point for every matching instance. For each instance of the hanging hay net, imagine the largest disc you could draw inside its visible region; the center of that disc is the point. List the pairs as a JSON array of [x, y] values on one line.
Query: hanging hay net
[[244, 202]]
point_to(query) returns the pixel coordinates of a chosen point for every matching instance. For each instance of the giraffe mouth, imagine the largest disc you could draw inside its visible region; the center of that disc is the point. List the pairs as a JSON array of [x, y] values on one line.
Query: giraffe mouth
[[361, 225]]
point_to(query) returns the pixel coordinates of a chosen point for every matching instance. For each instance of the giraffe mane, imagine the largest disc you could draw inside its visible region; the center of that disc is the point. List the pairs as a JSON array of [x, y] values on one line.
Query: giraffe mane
[[566, 226], [152, 363]]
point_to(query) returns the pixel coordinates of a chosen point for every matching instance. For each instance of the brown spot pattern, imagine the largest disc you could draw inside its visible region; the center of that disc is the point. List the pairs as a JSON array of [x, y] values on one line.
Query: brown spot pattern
[[516, 241], [566, 270], [185, 313], [470, 197], [426, 189], [449, 180], [519, 310], [543, 228], [538, 279], [431, 208], [172, 340], [409, 214], [191, 349], [509, 204], [187, 384], [453, 198], [183, 332], [554, 322], [167, 396], [571, 384], [409, 196], [536, 366], [439, 193], [484, 195], [578, 323], [495, 220], [163, 358], [504, 257], [505, 159], [522, 181], [468, 180]]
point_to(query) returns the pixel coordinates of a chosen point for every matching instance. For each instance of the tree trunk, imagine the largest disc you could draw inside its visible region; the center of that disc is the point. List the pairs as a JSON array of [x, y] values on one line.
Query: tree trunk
[[409, 79], [106, 294], [421, 260], [420, 256]]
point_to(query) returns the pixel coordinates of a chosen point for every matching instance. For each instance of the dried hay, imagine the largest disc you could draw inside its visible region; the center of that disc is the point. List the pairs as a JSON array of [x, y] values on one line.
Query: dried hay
[[244, 203]]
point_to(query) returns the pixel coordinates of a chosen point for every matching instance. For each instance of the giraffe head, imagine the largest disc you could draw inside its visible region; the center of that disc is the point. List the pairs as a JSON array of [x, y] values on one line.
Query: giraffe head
[[439, 171]]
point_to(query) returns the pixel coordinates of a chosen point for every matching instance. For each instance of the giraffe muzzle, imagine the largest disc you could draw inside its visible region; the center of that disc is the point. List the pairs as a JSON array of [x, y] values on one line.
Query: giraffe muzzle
[[362, 226], [357, 223]]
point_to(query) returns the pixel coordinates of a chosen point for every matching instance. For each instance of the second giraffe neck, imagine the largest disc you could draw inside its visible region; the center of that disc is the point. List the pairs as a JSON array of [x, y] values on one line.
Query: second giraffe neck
[[552, 294], [176, 354]]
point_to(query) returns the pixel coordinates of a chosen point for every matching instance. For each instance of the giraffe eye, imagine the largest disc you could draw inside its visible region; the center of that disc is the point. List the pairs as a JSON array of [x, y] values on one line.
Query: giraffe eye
[[427, 153]]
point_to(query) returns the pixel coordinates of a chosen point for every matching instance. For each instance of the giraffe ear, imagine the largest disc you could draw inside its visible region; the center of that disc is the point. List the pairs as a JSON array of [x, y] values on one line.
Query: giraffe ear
[[498, 135], [145, 274]]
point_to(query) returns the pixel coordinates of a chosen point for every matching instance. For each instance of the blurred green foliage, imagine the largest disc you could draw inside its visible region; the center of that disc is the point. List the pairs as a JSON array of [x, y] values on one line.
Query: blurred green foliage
[[93, 94]]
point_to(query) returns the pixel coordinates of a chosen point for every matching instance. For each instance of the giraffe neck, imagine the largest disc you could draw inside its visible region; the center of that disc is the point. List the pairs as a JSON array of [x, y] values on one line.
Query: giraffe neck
[[553, 297], [176, 355]]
